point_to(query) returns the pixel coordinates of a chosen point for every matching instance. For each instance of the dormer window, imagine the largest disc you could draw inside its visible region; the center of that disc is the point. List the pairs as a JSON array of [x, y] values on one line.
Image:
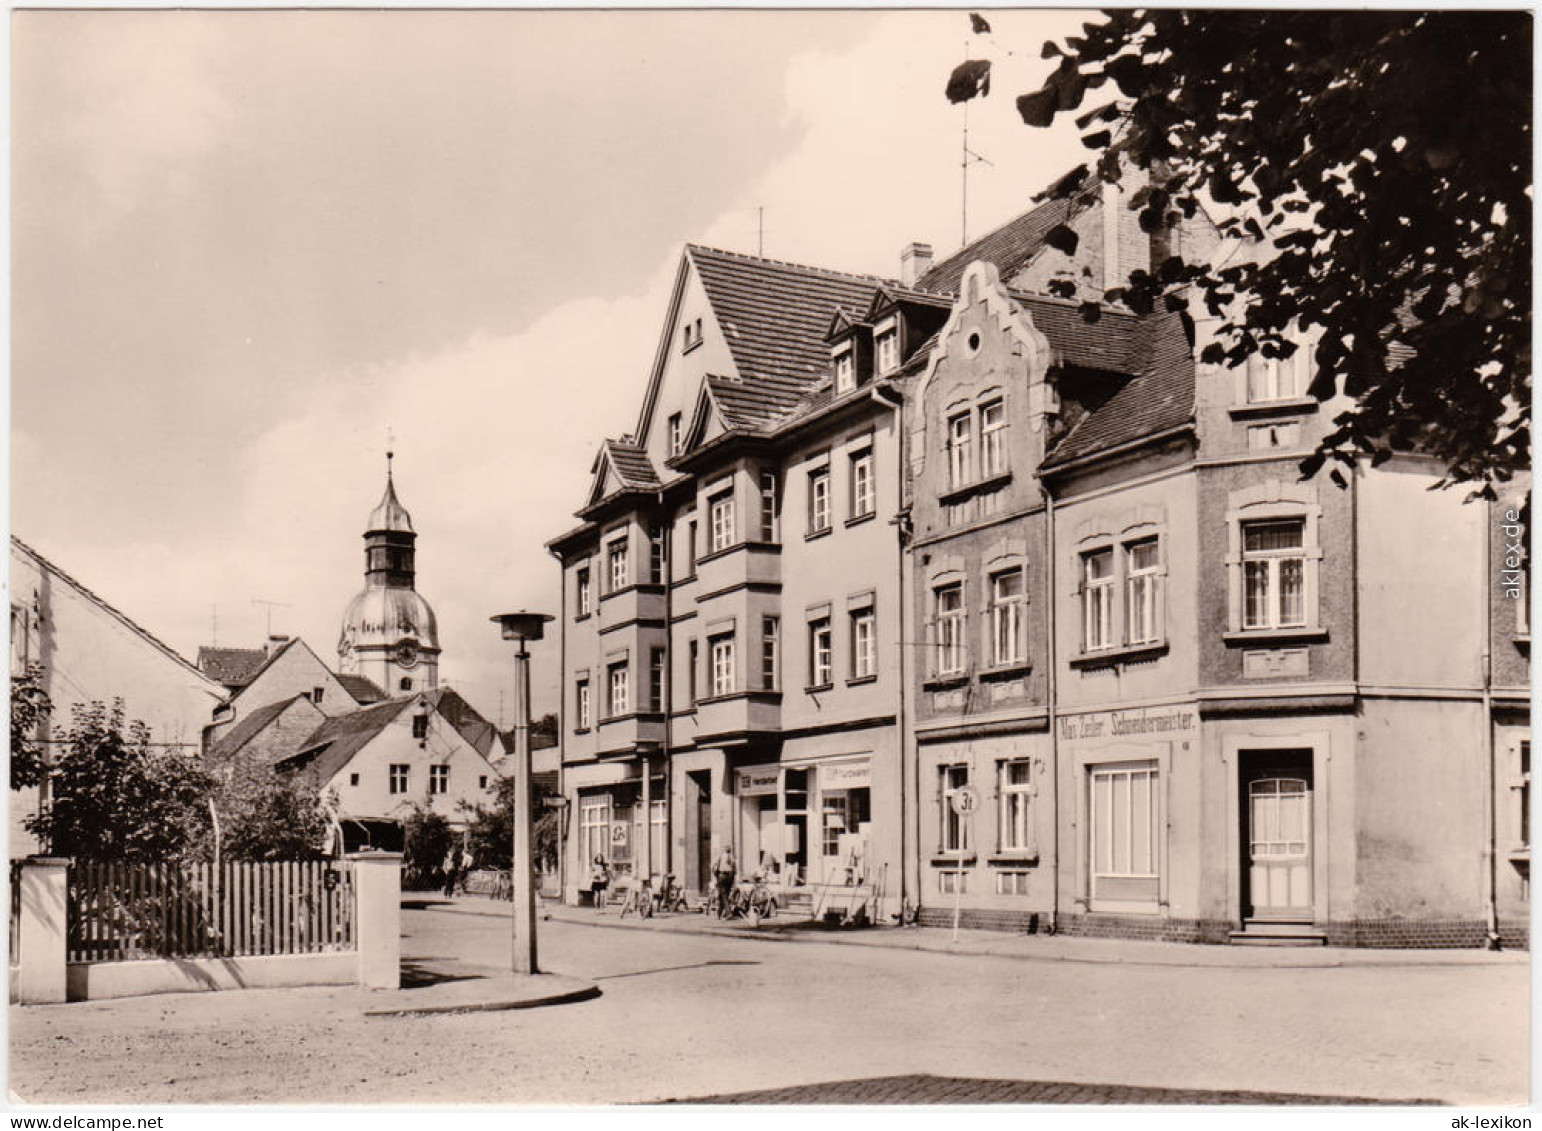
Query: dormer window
[[845, 372], [888, 350]]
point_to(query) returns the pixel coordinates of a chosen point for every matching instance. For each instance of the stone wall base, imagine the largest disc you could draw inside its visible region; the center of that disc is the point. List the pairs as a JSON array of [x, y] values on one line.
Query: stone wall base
[[1367, 933], [93, 981]]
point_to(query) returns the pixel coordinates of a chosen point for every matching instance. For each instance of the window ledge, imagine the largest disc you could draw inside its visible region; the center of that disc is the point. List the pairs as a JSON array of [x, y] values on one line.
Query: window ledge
[[1012, 859], [813, 688], [1006, 671], [1521, 855], [953, 859], [1255, 409], [581, 617], [1523, 643], [943, 682], [859, 680], [823, 532], [581, 730], [629, 716], [1123, 655], [654, 587], [978, 487], [730, 696], [858, 519], [1252, 636], [687, 580]]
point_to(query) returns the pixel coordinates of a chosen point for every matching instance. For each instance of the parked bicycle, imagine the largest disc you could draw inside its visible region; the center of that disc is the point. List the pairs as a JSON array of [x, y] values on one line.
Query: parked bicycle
[[669, 896], [638, 900]]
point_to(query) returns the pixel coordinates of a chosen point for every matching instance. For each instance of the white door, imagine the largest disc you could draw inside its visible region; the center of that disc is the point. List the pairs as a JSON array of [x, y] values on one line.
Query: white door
[[1280, 848]]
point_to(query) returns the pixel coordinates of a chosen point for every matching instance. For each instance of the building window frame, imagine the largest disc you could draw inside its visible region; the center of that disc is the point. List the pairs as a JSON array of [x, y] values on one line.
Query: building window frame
[[676, 434], [819, 500], [720, 654], [950, 618], [821, 653], [618, 568], [399, 776], [770, 506], [1123, 866], [863, 502], [438, 780], [960, 443], [845, 362], [1015, 791], [618, 699], [658, 658], [1099, 589], [657, 553], [1009, 616], [720, 517], [770, 653], [583, 598], [953, 832], [886, 357], [864, 643], [581, 705], [993, 447], [1145, 612]]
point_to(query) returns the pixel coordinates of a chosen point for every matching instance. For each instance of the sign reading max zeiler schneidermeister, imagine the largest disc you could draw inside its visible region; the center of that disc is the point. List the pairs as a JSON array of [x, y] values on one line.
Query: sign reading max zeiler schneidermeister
[[1128, 724]]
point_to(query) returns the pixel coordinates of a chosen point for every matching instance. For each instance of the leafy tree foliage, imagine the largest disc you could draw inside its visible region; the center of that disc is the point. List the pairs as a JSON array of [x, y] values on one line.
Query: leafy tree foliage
[[427, 841], [268, 814], [113, 797], [1379, 161], [30, 708], [490, 829]]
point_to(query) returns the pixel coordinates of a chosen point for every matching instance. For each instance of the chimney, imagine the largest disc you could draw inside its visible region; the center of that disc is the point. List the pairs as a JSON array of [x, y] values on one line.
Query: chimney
[[275, 643], [915, 261]]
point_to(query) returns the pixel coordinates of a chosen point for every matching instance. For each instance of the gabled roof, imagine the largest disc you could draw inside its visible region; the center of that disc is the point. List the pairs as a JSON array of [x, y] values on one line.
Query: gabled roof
[[774, 317], [632, 466], [1158, 396], [143, 633], [332, 745], [234, 667], [362, 688], [892, 295], [252, 725], [1008, 248]]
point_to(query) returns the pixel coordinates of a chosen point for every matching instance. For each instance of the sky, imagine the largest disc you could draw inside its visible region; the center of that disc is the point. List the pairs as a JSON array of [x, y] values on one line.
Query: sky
[[247, 247]]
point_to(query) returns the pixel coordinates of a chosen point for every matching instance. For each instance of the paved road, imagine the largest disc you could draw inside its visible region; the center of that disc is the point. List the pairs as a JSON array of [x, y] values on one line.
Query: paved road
[[698, 1017]]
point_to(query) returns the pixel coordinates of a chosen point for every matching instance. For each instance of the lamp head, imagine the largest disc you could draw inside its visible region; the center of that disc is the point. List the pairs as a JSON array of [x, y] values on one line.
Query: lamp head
[[521, 626]]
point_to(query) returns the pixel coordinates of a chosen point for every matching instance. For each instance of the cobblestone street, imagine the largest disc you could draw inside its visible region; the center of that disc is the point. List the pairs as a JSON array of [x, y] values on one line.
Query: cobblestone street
[[691, 1017]]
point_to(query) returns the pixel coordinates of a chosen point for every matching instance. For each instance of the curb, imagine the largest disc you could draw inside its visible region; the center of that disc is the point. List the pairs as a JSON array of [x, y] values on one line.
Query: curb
[[582, 991], [926, 946]]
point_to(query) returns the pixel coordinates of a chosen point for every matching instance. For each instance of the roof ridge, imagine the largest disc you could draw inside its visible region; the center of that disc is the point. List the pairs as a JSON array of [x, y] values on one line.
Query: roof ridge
[[881, 280], [118, 613]]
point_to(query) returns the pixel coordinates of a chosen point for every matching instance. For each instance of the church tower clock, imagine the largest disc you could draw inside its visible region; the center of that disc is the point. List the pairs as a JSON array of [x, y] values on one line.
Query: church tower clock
[[390, 635]]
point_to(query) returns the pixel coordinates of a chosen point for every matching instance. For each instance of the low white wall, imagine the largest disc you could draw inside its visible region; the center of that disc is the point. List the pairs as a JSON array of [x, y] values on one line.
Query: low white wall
[[92, 981]]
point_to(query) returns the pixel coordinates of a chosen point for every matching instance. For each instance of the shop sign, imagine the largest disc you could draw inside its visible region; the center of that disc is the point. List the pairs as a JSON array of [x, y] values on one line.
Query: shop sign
[[1157, 722], [848, 775], [757, 781], [618, 836]]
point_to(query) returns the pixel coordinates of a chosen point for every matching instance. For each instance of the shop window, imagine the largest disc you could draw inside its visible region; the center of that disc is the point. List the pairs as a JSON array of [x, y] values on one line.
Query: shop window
[[864, 644], [819, 501], [1015, 805], [720, 512], [594, 826], [1274, 573], [721, 652], [1143, 591], [821, 659], [584, 598], [438, 780], [616, 559], [1008, 617], [834, 824], [951, 651], [1123, 844], [864, 495], [954, 834], [1097, 600], [397, 781], [770, 507]]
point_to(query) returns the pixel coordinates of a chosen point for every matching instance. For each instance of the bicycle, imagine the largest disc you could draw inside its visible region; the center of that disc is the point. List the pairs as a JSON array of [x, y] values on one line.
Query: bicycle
[[669, 895], [638, 901], [760, 901]]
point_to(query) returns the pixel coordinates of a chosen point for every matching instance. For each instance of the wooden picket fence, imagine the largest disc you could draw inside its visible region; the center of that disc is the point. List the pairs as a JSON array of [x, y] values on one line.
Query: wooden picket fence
[[121, 912]]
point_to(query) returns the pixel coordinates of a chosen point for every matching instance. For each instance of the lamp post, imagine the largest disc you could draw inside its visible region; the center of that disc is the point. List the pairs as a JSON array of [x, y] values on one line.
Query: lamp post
[[522, 628]]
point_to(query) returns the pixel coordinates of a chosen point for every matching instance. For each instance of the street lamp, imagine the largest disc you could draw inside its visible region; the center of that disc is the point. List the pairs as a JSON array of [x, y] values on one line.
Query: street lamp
[[523, 628]]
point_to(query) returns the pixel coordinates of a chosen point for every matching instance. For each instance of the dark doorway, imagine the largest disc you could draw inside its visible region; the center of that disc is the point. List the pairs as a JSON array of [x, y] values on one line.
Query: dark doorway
[[1275, 803], [698, 808]]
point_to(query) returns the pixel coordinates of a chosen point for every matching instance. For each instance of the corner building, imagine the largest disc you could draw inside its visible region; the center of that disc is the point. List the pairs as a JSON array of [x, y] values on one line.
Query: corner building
[[878, 546]]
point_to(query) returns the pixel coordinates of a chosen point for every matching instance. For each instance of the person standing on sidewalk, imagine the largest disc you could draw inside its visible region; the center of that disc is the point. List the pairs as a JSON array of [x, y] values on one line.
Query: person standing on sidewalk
[[724, 870]]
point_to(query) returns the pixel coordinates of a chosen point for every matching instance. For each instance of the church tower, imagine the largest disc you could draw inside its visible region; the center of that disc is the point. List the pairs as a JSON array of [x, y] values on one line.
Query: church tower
[[390, 635]]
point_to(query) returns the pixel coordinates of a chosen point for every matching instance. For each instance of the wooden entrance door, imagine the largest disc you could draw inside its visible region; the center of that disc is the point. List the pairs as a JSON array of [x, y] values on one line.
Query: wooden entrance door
[[700, 807], [1278, 835]]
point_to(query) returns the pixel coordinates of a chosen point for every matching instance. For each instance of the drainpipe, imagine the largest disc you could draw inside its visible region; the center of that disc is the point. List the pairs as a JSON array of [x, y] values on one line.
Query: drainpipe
[[1051, 684], [881, 395], [667, 754], [1491, 870]]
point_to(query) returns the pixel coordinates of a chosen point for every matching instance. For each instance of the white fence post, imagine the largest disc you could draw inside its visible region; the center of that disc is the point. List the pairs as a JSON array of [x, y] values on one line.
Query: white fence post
[[377, 885], [41, 938]]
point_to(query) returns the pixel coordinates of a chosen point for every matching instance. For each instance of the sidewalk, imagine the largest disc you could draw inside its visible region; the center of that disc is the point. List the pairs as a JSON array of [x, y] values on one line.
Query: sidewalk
[[995, 944]]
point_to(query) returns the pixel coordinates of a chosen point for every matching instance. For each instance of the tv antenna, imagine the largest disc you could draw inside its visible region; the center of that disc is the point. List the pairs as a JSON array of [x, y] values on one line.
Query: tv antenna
[[271, 605], [967, 158]]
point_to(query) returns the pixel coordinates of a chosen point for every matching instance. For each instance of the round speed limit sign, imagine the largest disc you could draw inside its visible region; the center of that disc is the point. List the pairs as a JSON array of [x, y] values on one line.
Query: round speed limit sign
[[965, 800]]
